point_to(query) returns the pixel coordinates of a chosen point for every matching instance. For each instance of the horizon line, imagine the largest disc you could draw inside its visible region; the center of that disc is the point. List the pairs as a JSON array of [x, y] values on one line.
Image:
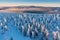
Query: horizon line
[[37, 4]]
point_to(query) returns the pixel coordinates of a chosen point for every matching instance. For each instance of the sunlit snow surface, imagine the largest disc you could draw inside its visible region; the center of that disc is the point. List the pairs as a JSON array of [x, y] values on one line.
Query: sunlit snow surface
[[11, 25]]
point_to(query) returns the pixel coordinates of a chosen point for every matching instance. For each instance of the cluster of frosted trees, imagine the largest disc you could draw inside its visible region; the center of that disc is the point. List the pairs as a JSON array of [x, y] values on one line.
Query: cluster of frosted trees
[[41, 26], [34, 26]]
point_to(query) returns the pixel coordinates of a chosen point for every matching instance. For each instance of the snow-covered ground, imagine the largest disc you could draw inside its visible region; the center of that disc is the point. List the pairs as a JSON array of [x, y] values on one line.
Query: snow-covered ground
[[29, 26]]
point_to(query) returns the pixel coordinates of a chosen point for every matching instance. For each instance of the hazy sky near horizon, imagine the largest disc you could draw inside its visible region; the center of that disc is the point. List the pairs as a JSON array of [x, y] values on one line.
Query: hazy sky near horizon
[[53, 3], [29, 1]]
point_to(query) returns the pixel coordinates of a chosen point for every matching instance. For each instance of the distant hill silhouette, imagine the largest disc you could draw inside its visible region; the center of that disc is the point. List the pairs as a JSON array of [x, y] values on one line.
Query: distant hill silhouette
[[31, 9]]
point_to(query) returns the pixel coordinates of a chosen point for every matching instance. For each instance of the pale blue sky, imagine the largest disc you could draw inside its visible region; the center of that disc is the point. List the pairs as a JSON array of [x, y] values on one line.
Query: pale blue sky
[[29, 1]]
